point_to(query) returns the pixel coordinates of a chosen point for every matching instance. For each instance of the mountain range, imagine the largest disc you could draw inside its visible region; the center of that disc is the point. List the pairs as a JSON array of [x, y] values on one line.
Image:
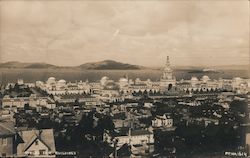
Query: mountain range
[[102, 65], [111, 65]]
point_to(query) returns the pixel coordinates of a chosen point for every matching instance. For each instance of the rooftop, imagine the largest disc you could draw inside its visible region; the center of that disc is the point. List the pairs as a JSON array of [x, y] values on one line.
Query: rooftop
[[6, 128], [140, 132], [46, 136]]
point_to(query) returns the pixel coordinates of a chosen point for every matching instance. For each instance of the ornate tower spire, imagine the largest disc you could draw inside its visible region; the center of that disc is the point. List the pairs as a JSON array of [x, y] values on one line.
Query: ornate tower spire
[[167, 79], [168, 62], [167, 72]]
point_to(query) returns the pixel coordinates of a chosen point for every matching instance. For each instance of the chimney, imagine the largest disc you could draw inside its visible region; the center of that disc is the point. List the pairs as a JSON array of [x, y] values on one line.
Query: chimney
[[39, 133], [129, 135]]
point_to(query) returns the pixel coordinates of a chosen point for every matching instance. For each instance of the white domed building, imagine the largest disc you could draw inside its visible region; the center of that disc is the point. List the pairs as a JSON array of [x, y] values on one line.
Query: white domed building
[[194, 81], [51, 83], [237, 81], [240, 85], [149, 82], [61, 84], [51, 80], [138, 81], [104, 80], [39, 83], [205, 79], [123, 82]]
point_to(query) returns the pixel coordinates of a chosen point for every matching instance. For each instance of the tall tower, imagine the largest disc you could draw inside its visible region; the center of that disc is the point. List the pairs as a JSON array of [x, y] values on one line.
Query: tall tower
[[167, 78], [168, 72]]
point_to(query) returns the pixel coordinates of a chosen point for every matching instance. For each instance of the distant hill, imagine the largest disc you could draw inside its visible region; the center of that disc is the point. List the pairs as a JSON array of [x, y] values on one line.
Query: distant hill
[[212, 69], [114, 65], [233, 67], [41, 66], [15, 64], [102, 65], [109, 65]]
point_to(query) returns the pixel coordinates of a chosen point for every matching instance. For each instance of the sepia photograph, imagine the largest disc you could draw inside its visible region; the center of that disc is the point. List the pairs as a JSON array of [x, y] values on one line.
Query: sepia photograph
[[124, 78]]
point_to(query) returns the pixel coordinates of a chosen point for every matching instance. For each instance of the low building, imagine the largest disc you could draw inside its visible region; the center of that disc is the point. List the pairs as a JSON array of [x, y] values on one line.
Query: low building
[[131, 137], [120, 123], [33, 101], [81, 98], [7, 115], [162, 121]]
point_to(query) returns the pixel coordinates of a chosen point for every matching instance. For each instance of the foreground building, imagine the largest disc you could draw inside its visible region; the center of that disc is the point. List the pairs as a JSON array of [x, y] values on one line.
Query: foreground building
[[36, 143], [25, 143], [7, 137]]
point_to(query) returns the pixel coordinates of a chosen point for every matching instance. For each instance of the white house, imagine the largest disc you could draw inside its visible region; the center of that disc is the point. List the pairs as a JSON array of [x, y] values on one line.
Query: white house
[[162, 121], [36, 143], [131, 137]]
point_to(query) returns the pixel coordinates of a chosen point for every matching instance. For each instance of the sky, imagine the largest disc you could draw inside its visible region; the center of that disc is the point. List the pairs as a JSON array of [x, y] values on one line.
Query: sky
[[141, 32]]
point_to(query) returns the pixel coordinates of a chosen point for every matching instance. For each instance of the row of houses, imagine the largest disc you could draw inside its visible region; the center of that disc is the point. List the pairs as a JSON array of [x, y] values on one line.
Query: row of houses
[[33, 101]]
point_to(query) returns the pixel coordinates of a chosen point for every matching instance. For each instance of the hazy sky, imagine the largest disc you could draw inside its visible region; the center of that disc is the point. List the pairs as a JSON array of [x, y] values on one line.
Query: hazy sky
[[142, 32]]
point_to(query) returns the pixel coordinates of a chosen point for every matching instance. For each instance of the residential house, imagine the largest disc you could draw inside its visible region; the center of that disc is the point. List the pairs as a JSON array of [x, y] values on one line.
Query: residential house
[[7, 137], [36, 143], [33, 101], [131, 137], [162, 121]]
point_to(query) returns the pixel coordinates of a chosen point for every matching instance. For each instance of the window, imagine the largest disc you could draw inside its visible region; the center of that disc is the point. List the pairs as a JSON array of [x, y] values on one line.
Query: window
[[4, 154], [36, 142], [4, 141], [31, 153], [42, 152]]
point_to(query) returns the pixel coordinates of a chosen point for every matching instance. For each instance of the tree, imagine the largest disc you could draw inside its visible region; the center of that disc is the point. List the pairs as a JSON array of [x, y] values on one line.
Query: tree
[[26, 106], [86, 123], [240, 106], [16, 88], [104, 123], [170, 87]]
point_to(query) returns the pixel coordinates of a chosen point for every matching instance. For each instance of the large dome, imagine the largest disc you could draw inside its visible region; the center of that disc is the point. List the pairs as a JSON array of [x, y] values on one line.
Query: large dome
[[205, 78], [111, 86], [194, 79], [123, 80], [61, 81], [104, 78], [51, 78]]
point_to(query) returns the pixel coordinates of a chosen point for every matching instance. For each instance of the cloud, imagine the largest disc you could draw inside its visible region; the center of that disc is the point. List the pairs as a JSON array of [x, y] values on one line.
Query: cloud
[[137, 32]]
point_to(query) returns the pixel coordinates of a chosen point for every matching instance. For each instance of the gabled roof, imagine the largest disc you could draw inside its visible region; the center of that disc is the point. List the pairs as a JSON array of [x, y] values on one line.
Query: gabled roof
[[124, 151], [6, 128], [46, 136], [33, 139]]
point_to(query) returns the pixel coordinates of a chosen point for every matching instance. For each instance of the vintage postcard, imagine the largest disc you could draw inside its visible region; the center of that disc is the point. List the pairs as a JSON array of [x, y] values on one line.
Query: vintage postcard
[[125, 78]]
